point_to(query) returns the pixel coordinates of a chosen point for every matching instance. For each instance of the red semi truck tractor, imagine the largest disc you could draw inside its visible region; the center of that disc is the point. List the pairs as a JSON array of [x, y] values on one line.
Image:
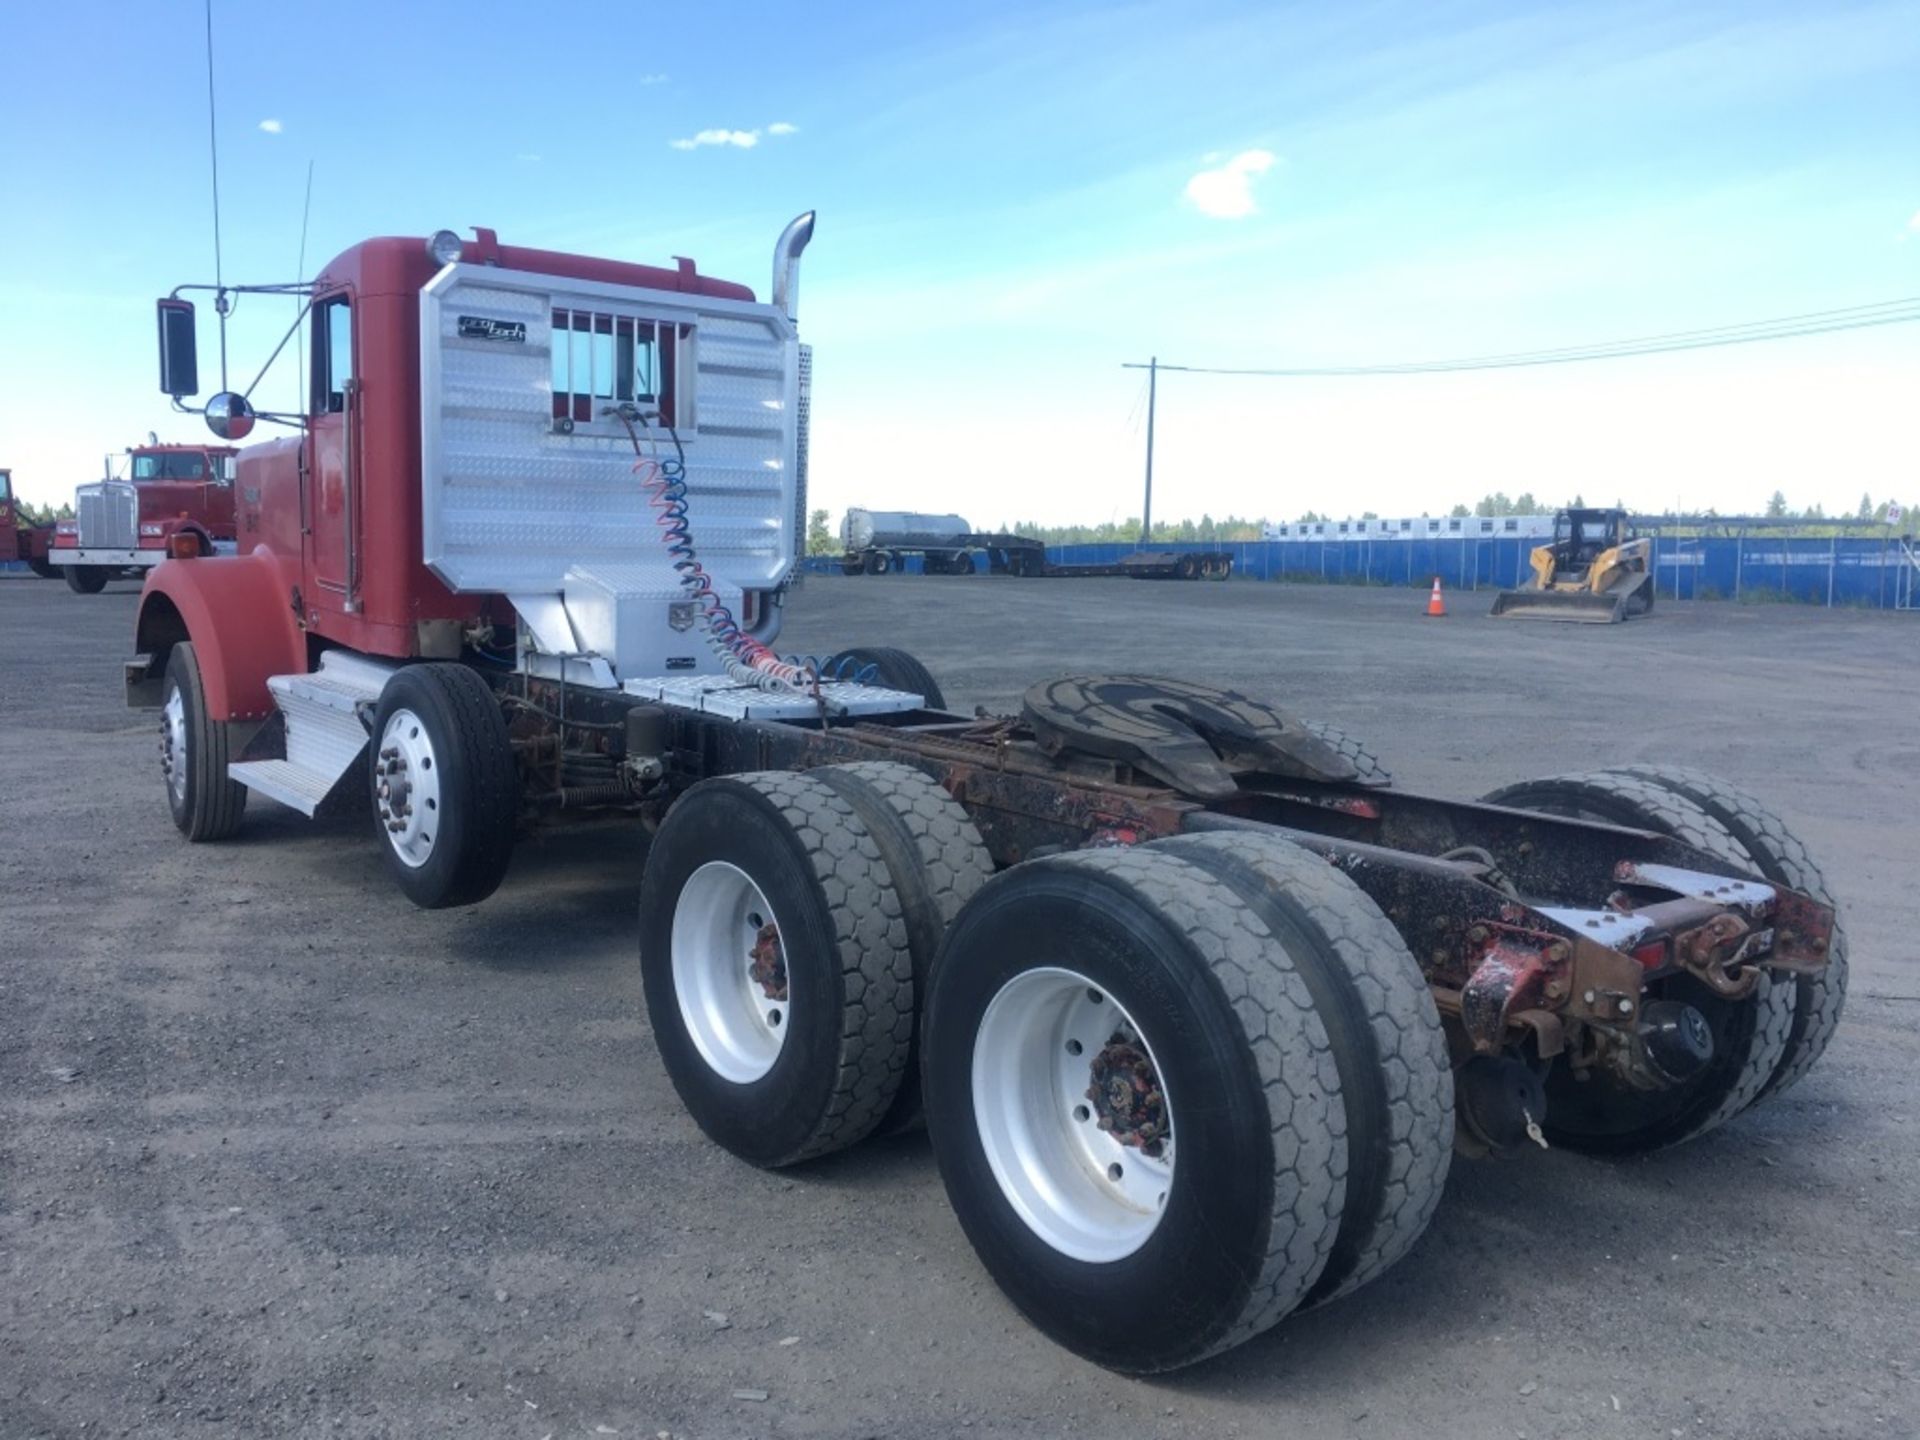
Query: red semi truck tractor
[[174, 500], [21, 539], [1195, 1004]]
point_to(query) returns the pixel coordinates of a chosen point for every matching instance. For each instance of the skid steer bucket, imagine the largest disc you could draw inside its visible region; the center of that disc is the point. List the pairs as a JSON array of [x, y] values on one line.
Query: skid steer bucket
[[1580, 605], [1631, 595]]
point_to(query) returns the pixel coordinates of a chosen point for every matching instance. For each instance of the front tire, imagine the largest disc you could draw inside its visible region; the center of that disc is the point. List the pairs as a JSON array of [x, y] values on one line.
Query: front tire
[[445, 787], [86, 579], [194, 752], [1135, 1109], [775, 961], [44, 569]]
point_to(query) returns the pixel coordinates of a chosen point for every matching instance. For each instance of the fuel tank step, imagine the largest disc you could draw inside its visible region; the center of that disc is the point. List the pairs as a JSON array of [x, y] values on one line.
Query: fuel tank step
[[323, 730]]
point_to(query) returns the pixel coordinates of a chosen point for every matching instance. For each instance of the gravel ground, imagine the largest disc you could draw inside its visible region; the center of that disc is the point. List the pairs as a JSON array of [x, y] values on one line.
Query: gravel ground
[[280, 1154]]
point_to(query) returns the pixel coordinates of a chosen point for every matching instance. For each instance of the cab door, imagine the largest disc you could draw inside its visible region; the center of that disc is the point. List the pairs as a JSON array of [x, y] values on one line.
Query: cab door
[[332, 471]]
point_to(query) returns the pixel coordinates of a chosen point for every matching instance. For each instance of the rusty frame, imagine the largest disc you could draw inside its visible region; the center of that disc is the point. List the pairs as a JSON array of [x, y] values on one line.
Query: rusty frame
[[1449, 875]]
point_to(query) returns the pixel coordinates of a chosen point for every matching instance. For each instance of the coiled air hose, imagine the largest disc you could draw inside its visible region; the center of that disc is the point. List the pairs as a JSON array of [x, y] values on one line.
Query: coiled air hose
[[744, 658]]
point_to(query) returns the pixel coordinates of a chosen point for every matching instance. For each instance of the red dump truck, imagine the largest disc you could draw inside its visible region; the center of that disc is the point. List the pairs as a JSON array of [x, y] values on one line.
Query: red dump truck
[[169, 500], [1195, 1003]]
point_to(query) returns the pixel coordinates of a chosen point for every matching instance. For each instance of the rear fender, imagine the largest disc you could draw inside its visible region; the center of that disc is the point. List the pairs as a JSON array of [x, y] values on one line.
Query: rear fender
[[239, 615]]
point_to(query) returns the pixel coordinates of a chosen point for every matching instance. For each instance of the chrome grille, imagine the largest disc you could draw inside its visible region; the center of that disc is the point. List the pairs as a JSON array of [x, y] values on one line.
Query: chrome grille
[[108, 515]]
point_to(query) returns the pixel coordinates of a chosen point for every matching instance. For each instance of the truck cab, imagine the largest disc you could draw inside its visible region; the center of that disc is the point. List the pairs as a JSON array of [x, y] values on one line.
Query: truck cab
[[165, 500]]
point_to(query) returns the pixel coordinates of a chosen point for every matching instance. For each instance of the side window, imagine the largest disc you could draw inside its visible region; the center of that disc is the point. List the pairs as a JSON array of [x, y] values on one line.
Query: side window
[[6, 485], [332, 355]]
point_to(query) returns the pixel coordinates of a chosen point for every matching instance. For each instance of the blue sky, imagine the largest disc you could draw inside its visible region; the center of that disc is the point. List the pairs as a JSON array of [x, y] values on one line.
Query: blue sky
[[1014, 198]]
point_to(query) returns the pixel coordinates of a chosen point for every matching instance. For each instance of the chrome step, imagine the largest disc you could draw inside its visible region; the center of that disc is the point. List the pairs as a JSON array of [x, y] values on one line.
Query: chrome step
[[282, 780], [324, 733]]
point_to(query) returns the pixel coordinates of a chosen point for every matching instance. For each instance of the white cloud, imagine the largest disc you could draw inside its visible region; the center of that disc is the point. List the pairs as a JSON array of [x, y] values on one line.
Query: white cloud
[[1226, 192], [651, 80], [738, 139], [272, 127], [1913, 225], [742, 139]]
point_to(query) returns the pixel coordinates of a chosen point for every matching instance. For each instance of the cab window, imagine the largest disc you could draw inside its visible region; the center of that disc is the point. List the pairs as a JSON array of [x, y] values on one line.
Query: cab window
[[172, 465], [332, 355]]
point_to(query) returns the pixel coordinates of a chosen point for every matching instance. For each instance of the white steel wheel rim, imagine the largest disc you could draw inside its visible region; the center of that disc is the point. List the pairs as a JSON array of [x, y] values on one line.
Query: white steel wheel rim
[[730, 972], [1078, 1187], [173, 744], [406, 788]]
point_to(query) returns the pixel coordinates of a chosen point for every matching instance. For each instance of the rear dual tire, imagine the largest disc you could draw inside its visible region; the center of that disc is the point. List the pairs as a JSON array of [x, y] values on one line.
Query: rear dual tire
[[1275, 1039], [1762, 1043], [1254, 1158], [786, 1029]]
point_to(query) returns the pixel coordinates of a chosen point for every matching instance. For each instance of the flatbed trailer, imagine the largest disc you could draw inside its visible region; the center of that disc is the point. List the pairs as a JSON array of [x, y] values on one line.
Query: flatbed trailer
[[1021, 555], [1151, 565], [1195, 1004]]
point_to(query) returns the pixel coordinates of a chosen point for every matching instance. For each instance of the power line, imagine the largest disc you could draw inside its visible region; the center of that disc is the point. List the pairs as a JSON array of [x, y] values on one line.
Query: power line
[[1786, 327]]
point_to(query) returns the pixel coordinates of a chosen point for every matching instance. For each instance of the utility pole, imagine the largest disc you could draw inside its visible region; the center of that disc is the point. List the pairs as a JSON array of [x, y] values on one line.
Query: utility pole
[[1152, 367]]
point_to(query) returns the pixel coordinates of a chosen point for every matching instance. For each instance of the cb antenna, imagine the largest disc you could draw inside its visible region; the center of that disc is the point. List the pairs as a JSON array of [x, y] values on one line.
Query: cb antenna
[[213, 150], [300, 274]]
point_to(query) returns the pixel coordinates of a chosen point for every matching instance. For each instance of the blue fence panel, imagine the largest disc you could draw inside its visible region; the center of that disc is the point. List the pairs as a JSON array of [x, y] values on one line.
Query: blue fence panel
[[1857, 571]]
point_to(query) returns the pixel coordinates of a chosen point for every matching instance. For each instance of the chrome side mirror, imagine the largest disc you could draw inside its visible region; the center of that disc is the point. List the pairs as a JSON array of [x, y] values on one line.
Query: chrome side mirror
[[230, 416]]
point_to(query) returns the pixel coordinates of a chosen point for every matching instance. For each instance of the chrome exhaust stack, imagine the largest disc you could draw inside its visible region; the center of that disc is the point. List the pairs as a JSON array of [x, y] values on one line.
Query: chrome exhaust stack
[[786, 264]]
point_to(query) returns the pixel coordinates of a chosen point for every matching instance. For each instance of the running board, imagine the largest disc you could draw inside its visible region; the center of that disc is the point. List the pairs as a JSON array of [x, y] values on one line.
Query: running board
[[324, 734]]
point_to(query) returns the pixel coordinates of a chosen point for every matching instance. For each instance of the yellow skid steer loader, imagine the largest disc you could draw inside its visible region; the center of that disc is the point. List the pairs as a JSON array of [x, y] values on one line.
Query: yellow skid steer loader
[[1593, 571]]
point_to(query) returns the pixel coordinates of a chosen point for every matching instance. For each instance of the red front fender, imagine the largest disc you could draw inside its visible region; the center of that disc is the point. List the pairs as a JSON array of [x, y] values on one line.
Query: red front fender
[[238, 612]]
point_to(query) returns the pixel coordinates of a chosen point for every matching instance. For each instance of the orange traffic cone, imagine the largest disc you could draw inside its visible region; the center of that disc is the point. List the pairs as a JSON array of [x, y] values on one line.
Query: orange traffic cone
[[1436, 602]]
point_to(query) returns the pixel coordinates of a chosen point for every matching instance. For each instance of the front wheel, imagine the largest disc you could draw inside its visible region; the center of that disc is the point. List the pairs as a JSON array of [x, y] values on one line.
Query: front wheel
[[206, 803], [86, 579], [1135, 1108], [445, 786], [43, 568]]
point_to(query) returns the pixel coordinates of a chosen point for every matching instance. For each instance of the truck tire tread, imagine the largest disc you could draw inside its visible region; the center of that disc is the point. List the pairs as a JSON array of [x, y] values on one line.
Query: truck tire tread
[[1380, 1016], [937, 862], [1781, 857], [1632, 800]]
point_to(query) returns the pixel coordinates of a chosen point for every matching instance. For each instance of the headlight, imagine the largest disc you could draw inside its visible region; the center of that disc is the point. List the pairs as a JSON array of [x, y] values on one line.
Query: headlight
[[66, 527], [444, 246], [152, 529]]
